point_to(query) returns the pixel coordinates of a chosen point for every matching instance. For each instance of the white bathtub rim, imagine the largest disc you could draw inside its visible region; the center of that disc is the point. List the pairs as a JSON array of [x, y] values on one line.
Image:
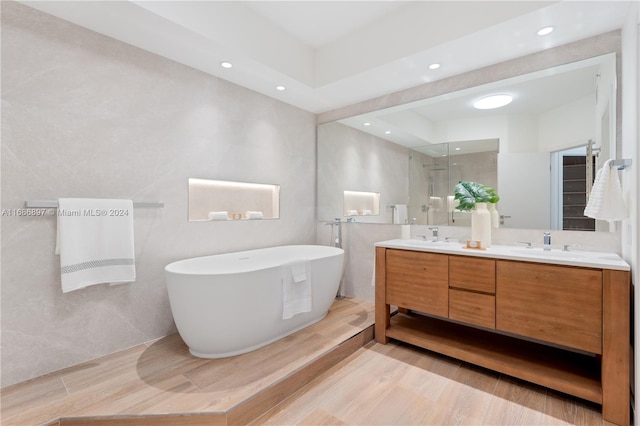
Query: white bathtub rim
[[175, 267]]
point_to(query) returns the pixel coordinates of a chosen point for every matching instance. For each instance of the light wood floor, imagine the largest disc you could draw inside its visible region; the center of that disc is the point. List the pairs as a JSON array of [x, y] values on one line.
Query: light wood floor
[[162, 377], [339, 382], [397, 384]]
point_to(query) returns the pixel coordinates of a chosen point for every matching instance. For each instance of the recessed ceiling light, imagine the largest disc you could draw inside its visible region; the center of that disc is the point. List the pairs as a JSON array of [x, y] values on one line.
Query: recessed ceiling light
[[545, 31], [388, 132], [493, 101], [458, 149], [226, 64], [366, 124], [280, 88], [434, 66]]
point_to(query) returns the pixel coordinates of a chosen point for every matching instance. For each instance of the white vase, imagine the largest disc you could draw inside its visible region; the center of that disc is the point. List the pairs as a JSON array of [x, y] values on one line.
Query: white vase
[[481, 225], [495, 216], [405, 232]]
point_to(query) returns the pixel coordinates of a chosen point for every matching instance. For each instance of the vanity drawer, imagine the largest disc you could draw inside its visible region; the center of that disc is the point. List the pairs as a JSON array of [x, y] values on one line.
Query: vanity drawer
[[472, 273], [418, 281], [472, 308], [557, 304]]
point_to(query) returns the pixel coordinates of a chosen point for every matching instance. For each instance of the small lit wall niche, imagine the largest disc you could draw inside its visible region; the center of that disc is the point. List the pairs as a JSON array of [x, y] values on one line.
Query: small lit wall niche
[[219, 200], [358, 203]]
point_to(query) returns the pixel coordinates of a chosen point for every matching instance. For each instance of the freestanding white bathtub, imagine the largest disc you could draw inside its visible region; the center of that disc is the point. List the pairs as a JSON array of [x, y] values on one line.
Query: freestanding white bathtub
[[229, 304]]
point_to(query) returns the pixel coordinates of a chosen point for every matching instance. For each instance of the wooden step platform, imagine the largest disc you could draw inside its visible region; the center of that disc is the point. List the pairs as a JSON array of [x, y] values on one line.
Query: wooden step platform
[[160, 383]]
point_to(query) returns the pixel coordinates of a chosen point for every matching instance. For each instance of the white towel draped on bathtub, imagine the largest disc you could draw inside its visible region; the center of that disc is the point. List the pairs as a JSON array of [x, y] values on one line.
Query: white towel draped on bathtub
[[95, 242], [296, 288]]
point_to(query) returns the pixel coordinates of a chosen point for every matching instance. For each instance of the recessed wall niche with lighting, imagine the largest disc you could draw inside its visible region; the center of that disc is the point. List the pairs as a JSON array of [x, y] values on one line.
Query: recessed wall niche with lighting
[[359, 203], [219, 200]]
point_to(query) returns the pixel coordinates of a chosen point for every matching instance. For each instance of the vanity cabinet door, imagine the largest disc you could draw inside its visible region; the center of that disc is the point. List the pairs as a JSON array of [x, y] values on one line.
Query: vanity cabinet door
[[556, 304], [418, 281]]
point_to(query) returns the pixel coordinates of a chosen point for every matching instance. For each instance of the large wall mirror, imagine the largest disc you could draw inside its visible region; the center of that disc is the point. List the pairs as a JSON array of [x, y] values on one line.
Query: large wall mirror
[[533, 151]]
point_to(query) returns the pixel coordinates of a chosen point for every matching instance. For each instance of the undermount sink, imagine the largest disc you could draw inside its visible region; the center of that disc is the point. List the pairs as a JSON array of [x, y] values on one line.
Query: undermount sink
[[538, 252], [426, 243]]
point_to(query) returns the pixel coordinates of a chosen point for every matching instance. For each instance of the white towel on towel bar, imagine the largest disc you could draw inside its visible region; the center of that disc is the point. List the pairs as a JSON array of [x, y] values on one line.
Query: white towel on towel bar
[[606, 201], [296, 288], [400, 214], [95, 242]]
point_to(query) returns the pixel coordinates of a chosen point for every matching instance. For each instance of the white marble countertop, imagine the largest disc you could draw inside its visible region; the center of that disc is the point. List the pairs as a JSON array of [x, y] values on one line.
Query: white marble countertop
[[585, 259]]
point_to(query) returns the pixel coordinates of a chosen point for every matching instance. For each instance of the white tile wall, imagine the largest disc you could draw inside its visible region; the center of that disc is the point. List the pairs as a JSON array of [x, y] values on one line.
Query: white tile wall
[[84, 115]]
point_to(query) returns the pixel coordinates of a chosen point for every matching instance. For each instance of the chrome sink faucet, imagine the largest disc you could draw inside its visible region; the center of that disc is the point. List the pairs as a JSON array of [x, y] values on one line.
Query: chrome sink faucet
[[547, 241]]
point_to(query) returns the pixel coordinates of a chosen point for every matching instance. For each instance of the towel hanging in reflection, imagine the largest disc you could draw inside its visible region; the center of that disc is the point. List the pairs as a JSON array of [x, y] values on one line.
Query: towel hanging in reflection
[[400, 214], [606, 201]]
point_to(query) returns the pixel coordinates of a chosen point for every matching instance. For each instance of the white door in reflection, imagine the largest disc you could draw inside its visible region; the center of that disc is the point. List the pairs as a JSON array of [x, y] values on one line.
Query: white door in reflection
[[524, 180]]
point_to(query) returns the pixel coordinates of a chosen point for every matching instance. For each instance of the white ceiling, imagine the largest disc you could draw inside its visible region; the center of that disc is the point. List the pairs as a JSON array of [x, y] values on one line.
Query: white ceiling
[[330, 54], [411, 124]]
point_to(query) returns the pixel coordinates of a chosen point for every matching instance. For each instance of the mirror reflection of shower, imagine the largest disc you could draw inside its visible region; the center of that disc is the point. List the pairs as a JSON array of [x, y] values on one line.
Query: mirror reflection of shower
[[428, 177], [437, 176], [434, 171]]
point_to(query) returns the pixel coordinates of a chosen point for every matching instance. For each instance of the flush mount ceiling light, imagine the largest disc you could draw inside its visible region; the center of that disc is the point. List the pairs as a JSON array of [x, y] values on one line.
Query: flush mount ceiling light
[[493, 101], [545, 31], [434, 66], [226, 64]]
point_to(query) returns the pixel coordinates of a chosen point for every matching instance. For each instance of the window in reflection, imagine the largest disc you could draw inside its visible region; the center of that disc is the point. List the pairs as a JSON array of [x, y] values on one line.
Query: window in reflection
[[225, 200]]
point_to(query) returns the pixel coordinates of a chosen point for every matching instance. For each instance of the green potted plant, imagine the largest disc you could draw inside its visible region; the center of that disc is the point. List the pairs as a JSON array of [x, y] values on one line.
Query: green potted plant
[[475, 197], [470, 193]]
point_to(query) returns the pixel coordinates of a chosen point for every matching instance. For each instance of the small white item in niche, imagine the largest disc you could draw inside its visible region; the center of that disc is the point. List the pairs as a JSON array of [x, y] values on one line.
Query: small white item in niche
[[220, 215], [254, 215]]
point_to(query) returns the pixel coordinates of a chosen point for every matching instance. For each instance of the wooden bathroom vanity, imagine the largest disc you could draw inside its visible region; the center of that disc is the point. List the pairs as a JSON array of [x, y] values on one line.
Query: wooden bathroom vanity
[[557, 319]]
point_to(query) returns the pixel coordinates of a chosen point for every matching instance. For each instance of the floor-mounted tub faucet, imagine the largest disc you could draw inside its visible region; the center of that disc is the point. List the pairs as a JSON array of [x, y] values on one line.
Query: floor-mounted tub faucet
[[337, 242], [337, 223]]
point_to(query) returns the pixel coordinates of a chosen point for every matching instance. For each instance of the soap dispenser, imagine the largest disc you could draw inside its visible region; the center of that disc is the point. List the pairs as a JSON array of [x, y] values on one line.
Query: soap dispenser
[[547, 241]]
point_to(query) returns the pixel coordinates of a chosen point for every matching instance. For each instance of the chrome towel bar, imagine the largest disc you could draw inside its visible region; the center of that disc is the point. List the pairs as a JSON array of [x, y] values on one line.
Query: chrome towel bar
[[53, 204], [621, 164]]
